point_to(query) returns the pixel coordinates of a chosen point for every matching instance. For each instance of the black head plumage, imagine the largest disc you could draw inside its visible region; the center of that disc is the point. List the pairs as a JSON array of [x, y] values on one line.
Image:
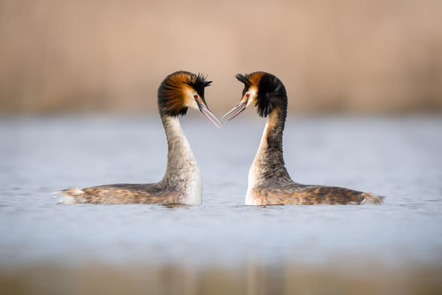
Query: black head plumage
[[271, 91]]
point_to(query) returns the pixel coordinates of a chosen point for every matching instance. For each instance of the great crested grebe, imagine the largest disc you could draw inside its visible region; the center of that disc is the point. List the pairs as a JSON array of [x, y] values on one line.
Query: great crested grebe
[[182, 182], [269, 181]]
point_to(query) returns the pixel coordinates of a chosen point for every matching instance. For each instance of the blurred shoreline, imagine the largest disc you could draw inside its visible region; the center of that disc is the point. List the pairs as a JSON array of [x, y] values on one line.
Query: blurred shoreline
[[333, 57]]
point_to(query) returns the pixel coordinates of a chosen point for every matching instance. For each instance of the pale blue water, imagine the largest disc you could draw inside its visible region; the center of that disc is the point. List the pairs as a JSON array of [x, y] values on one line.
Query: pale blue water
[[400, 158]]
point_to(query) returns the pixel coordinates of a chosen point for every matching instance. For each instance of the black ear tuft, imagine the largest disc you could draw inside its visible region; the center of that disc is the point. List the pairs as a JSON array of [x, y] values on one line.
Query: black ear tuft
[[198, 82], [244, 79]]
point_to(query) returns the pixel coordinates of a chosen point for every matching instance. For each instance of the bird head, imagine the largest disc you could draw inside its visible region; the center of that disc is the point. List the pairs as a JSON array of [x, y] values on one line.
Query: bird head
[[261, 89], [182, 90]]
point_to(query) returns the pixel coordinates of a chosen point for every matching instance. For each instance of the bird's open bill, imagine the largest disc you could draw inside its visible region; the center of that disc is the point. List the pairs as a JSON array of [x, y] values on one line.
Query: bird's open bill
[[236, 110], [209, 115]]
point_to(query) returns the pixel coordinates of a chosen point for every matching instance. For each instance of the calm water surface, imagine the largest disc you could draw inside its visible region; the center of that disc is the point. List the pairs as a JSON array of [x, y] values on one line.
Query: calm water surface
[[399, 158]]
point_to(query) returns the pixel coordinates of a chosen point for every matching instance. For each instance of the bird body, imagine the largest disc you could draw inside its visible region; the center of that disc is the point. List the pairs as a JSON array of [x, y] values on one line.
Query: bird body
[[182, 183], [269, 182]]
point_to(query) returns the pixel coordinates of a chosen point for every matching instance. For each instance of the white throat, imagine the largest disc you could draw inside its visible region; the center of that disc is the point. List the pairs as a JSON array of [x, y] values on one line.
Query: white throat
[[255, 169], [182, 171]]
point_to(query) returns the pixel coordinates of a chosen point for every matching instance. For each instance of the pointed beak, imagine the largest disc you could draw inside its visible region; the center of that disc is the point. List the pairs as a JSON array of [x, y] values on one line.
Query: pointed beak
[[208, 113], [238, 109]]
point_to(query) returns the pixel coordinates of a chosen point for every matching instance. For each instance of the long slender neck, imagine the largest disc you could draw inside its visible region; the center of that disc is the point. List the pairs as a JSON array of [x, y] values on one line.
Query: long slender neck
[[269, 160], [182, 168]]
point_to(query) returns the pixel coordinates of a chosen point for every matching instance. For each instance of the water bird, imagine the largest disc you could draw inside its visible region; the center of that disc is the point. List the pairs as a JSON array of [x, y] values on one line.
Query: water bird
[[269, 182], [182, 182]]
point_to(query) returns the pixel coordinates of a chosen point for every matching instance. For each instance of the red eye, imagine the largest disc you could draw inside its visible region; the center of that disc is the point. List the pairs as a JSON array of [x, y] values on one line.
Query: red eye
[[195, 96], [248, 95]]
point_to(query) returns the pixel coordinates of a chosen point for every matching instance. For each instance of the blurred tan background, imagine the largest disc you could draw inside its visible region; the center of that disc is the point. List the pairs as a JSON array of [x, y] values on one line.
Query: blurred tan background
[[346, 56]]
